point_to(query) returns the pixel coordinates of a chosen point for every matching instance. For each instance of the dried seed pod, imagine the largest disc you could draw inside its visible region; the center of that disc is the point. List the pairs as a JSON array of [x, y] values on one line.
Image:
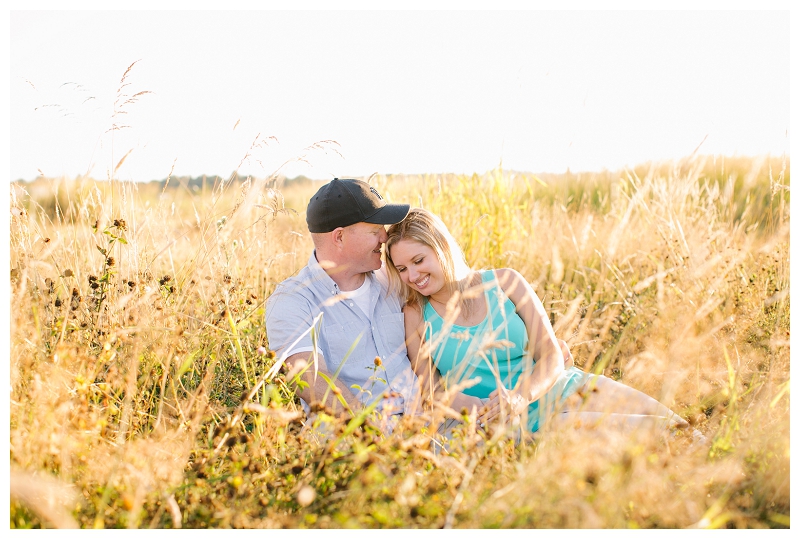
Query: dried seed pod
[[316, 406]]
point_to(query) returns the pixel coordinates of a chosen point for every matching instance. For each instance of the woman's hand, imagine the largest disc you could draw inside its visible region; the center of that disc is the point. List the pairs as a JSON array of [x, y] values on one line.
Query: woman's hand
[[569, 361], [503, 402], [462, 401]]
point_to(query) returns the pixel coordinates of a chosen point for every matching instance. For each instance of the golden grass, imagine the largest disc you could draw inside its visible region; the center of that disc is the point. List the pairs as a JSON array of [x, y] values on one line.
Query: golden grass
[[128, 366]]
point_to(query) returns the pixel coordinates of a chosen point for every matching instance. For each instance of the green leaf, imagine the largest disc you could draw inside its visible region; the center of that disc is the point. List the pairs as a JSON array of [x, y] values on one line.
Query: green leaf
[[357, 421], [244, 323], [331, 385], [187, 363], [339, 369]]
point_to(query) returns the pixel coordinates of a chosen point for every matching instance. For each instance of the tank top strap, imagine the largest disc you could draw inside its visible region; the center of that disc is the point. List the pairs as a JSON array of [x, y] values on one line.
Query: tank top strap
[[429, 314], [494, 293]]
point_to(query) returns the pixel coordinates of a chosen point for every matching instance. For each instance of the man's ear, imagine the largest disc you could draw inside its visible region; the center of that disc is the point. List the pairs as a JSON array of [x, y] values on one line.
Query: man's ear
[[337, 236]]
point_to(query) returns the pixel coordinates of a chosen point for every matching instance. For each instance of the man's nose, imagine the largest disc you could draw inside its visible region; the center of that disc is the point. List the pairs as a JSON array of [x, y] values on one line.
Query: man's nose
[[383, 235]]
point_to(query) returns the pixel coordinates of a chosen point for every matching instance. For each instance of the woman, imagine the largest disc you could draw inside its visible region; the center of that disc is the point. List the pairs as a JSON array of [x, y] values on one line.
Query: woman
[[489, 329]]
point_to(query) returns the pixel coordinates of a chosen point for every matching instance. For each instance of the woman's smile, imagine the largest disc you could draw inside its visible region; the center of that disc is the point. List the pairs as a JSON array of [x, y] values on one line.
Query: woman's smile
[[420, 283]]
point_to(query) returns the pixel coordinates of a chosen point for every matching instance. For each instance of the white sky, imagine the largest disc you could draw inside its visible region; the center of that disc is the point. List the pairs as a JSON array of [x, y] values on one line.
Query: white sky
[[399, 91]]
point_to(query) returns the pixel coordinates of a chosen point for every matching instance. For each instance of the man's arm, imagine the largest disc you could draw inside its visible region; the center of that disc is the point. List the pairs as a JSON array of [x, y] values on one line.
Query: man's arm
[[286, 311], [317, 386]]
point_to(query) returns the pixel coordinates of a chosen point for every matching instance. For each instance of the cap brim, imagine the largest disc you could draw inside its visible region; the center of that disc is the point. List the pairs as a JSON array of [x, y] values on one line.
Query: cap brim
[[389, 214]]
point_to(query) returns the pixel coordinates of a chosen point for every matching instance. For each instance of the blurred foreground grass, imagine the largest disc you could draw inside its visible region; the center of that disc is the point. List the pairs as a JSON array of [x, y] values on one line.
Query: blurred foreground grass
[[137, 331]]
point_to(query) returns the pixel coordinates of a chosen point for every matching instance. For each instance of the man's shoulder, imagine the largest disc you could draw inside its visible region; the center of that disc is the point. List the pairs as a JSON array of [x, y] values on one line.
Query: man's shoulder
[[292, 288], [297, 281]]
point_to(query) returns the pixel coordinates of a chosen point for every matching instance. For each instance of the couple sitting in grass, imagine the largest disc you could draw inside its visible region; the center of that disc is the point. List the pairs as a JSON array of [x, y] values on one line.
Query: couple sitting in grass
[[433, 326]]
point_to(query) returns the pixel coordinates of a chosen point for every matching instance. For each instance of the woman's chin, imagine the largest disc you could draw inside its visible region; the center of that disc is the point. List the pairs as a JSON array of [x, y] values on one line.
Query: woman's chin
[[425, 292]]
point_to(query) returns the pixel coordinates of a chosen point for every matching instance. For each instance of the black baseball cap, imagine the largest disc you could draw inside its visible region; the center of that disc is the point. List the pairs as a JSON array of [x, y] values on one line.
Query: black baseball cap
[[347, 202]]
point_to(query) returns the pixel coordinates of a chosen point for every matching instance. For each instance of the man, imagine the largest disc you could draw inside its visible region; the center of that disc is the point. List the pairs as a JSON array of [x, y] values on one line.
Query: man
[[344, 281], [360, 338]]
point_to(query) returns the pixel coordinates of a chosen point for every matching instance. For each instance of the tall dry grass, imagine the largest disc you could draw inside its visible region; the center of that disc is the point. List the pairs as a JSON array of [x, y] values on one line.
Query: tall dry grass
[[137, 330]]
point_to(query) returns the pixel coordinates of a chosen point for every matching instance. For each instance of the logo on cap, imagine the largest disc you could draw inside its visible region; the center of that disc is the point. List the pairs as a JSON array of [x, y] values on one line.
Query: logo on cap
[[375, 192]]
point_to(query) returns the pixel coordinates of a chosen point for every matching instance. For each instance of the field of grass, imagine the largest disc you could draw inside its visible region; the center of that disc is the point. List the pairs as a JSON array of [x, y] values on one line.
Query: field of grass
[[142, 394]]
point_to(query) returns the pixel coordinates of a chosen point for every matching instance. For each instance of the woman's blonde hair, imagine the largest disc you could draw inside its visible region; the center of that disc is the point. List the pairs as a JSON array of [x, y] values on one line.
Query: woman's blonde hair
[[422, 226]]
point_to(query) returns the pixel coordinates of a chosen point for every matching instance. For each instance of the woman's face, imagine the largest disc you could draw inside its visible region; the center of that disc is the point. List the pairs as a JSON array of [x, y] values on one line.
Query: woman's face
[[418, 266]]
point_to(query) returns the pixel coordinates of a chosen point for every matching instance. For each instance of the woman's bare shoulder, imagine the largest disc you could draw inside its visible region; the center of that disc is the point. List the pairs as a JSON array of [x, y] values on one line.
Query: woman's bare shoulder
[[507, 276], [412, 310]]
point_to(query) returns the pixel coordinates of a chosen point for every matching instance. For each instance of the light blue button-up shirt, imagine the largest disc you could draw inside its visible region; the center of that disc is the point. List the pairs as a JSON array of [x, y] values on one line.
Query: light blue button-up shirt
[[297, 301]]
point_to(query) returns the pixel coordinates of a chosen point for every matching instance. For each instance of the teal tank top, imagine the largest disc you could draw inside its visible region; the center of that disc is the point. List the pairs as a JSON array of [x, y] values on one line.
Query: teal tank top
[[492, 352]]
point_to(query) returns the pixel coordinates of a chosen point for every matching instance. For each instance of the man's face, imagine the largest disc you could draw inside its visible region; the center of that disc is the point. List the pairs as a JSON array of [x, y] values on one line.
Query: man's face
[[362, 245]]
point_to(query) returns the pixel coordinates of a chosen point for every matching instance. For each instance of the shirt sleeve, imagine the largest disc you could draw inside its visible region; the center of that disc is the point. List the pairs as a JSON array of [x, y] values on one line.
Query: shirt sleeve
[[289, 315]]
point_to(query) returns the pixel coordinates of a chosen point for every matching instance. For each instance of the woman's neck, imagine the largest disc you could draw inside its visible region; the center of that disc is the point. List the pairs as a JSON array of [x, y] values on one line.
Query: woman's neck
[[470, 309], [443, 296]]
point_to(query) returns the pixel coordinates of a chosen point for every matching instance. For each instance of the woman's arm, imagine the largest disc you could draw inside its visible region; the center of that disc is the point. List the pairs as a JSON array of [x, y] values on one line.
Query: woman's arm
[[414, 327], [542, 345], [422, 364]]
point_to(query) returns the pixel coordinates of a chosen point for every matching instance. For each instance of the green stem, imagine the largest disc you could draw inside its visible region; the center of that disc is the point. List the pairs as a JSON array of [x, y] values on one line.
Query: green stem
[[238, 344]]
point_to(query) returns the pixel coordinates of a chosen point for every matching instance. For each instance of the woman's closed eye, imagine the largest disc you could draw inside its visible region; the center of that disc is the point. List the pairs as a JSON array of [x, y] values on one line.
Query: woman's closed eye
[[401, 269]]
